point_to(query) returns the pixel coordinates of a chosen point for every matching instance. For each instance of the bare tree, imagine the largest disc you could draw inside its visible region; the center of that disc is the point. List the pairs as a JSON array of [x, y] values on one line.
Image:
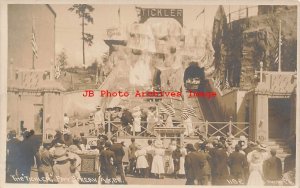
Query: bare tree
[[84, 13]]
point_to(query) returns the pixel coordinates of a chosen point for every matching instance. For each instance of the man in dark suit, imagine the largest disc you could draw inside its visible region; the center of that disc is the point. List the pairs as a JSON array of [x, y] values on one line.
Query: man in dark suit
[[12, 155], [107, 169], [28, 150], [132, 157], [127, 119], [101, 142], [117, 148], [212, 153], [221, 170], [193, 165], [207, 165], [237, 162], [272, 167]]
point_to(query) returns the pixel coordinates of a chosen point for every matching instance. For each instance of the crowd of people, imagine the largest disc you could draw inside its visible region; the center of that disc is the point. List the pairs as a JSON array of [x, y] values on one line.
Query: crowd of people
[[120, 120], [210, 161], [213, 161], [57, 160]]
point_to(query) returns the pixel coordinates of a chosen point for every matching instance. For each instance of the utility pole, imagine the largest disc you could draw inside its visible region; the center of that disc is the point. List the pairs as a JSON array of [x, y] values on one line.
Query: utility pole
[[279, 50]]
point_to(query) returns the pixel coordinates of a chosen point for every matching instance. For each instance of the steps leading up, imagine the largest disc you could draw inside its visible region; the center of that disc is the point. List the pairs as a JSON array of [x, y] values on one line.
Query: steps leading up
[[281, 147]]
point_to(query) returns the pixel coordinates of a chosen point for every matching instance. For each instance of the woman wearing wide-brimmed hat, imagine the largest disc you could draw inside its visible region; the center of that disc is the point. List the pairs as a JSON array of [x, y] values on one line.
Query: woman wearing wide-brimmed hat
[[255, 160], [158, 167], [62, 168]]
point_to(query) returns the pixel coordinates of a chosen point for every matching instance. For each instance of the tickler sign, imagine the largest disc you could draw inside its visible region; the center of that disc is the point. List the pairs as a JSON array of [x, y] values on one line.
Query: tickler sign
[[146, 13]]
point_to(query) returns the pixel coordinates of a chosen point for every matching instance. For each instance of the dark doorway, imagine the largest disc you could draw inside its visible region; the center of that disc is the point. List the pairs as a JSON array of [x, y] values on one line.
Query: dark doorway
[[279, 118], [194, 77], [156, 79]]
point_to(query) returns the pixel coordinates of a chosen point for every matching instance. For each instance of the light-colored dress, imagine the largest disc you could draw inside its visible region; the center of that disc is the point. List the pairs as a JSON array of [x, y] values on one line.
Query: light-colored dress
[[158, 166], [169, 122], [255, 169], [188, 125], [137, 121], [181, 161], [99, 118], [255, 177], [141, 161], [62, 174]]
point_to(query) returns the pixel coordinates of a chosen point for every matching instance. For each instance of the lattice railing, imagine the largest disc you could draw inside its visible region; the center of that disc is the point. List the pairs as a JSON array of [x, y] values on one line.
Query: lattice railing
[[205, 128]]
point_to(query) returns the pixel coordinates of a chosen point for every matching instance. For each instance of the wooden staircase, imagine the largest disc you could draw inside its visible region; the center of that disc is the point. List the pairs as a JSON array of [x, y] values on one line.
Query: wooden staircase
[[281, 147]]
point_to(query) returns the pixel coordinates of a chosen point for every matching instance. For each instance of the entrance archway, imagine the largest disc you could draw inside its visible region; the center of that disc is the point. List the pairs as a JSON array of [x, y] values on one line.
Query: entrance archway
[[194, 77]]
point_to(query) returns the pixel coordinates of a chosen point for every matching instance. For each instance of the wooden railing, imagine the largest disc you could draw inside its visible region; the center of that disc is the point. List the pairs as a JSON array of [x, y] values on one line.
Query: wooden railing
[[205, 128], [246, 12]]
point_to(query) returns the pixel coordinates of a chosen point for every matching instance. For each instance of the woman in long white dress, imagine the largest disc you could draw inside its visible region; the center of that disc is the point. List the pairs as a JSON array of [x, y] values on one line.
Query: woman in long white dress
[[151, 119], [158, 167], [255, 160], [141, 161], [188, 125], [137, 119], [181, 161]]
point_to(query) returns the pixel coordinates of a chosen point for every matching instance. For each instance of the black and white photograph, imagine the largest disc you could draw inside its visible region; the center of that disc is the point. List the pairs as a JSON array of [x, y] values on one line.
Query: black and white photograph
[[134, 93]]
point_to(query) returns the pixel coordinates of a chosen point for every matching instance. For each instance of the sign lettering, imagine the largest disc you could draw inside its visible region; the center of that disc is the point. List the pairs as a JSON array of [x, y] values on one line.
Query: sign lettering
[[146, 13]]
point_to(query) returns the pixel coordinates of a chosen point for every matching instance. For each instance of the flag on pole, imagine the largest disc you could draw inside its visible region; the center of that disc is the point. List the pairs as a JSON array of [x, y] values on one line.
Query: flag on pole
[[227, 85], [200, 13], [188, 112], [33, 42], [276, 49], [168, 108]]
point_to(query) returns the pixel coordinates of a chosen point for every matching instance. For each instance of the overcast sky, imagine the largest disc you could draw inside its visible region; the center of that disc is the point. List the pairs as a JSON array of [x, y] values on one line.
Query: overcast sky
[[68, 29]]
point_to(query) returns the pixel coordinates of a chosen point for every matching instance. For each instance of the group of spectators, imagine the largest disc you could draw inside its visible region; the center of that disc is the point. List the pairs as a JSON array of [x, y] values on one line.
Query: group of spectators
[[226, 161], [57, 161], [211, 161]]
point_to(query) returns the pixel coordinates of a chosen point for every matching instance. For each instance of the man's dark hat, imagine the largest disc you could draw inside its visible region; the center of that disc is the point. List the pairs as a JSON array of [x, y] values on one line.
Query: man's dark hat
[[102, 136], [220, 145], [238, 147], [117, 108], [190, 147], [107, 144]]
